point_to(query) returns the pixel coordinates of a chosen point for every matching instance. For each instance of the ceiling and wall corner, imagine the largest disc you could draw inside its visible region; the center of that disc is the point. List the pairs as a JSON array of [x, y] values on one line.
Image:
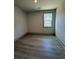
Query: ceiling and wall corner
[[29, 5]]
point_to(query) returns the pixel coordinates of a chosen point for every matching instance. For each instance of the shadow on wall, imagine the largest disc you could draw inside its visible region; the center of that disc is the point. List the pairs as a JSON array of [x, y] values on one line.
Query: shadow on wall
[[20, 23]]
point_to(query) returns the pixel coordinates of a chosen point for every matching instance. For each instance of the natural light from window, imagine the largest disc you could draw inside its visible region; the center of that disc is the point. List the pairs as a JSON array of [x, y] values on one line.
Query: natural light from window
[[47, 19]]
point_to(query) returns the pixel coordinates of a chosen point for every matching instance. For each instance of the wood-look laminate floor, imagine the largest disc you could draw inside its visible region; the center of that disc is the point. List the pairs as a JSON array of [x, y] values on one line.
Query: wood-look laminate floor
[[38, 47]]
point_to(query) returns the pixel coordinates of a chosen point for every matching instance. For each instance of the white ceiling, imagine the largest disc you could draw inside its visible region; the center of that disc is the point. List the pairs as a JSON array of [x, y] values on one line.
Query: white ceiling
[[29, 5]]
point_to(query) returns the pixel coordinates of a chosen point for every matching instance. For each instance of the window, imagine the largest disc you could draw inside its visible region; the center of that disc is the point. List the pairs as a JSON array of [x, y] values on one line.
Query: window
[[48, 19]]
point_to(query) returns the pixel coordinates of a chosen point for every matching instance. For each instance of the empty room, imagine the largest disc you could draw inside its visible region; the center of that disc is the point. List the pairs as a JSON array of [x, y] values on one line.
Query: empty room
[[39, 29]]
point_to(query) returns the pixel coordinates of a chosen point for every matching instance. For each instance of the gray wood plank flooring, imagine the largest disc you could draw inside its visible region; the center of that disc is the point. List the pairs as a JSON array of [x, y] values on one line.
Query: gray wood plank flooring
[[38, 47]]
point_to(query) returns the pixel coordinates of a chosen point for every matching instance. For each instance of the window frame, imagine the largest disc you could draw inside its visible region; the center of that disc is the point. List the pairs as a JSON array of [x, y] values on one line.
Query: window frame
[[43, 19]]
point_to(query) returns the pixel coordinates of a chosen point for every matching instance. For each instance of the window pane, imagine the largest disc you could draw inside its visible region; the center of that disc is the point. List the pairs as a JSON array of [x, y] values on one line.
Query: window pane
[[47, 19]]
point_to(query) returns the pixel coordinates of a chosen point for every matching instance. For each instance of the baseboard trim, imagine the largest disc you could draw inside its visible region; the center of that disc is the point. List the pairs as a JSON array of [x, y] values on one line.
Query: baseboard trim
[[21, 37], [41, 34], [32, 34]]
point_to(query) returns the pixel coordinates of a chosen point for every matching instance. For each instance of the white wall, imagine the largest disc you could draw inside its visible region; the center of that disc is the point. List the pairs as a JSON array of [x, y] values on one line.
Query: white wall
[[60, 23], [35, 23], [20, 23]]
